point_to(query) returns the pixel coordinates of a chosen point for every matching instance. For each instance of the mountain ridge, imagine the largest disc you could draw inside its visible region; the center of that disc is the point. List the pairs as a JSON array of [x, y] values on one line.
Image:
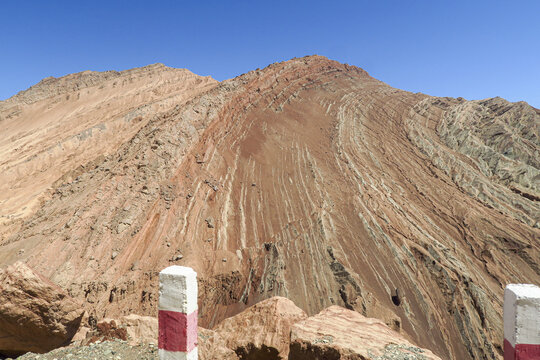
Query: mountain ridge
[[81, 80]]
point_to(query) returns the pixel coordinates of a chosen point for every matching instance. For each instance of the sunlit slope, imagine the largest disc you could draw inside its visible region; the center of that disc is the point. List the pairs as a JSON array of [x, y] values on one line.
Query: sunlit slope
[[311, 180]]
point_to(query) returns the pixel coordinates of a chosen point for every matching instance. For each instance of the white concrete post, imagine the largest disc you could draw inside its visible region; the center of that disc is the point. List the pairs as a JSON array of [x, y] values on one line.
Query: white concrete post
[[177, 314], [521, 322]]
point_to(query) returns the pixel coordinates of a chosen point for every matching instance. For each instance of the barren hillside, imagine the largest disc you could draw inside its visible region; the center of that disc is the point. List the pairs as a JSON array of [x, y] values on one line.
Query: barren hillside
[[60, 124], [308, 179]]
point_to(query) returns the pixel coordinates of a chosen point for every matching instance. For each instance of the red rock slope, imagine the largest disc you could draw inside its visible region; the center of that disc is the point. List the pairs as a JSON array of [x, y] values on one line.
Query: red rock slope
[[310, 180]]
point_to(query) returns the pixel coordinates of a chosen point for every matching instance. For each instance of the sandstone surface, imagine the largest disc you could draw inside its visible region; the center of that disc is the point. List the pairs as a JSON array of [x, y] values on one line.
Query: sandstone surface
[[212, 346], [140, 329], [35, 314], [262, 331], [308, 179], [337, 333]]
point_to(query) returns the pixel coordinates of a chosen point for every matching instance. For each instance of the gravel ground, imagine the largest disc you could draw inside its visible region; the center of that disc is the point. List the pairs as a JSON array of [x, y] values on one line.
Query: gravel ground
[[113, 350]]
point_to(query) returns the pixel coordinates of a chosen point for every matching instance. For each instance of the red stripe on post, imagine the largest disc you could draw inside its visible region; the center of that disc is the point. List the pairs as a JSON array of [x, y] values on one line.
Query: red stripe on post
[[521, 351], [527, 352], [177, 331], [509, 351]]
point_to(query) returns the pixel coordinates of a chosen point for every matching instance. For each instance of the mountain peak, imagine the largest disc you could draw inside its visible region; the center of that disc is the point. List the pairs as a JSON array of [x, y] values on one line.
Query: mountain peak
[[307, 179]]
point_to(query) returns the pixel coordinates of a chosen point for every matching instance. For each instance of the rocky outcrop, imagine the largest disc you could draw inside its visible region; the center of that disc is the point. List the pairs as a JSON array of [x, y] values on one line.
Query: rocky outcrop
[[262, 330], [35, 314], [274, 329], [337, 333], [489, 148]]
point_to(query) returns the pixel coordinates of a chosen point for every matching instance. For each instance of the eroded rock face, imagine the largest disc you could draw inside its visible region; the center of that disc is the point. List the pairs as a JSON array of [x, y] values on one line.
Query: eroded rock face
[[35, 314], [340, 334], [262, 330]]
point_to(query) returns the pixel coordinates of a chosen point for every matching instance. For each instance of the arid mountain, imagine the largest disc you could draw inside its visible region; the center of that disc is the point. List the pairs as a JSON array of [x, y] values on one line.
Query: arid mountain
[[308, 179], [60, 124]]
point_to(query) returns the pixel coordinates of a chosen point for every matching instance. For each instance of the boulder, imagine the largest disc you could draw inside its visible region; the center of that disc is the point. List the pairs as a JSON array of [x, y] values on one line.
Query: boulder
[[337, 333], [262, 330], [212, 346], [35, 314], [140, 329]]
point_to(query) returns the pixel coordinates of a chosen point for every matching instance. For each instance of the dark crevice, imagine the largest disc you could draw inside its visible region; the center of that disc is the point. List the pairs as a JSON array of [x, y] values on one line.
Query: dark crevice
[[525, 195], [250, 352], [395, 298], [348, 287]]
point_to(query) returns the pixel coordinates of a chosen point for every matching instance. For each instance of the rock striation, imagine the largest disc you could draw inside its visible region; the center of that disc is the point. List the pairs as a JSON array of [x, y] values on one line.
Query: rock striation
[[35, 314], [54, 130], [337, 333], [307, 179]]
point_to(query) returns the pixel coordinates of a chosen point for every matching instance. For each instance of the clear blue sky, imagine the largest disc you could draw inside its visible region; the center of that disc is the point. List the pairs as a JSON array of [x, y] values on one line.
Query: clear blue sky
[[474, 49]]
